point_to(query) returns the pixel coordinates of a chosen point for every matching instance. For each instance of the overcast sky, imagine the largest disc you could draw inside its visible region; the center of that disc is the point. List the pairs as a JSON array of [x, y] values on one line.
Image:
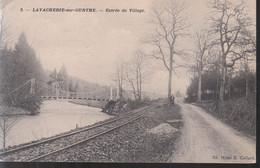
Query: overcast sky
[[89, 44]]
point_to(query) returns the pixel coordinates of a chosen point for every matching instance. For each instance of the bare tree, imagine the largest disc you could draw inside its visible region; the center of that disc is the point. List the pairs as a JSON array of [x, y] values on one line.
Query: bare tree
[[118, 78], [7, 121], [231, 24], [245, 65], [201, 57], [169, 25], [3, 27], [136, 73]]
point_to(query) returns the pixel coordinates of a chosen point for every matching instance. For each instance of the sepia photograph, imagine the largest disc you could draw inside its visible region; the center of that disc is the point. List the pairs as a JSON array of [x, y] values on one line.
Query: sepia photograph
[[128, 81]]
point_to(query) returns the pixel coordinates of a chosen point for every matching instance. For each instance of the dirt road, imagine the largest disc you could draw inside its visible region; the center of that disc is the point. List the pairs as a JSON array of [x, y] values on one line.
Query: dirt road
[[206, 139]]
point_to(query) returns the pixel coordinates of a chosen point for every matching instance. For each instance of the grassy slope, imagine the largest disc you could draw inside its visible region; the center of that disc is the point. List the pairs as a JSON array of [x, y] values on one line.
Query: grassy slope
[[240, 113]]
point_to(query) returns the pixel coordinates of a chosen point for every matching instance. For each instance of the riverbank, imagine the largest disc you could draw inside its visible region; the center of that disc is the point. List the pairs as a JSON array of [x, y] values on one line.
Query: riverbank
[[13, 110], [90, 103]]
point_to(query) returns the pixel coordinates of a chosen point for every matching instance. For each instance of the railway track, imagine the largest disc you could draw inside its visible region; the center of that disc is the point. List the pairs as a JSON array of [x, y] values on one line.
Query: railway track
[[36, 151]]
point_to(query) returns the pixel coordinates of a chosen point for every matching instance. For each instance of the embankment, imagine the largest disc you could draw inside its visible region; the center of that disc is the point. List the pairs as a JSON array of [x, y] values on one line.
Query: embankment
[[90, 103], [240, 113]]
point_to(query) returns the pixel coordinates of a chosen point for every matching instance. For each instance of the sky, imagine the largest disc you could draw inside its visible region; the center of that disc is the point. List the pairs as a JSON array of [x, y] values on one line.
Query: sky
[[90, 44]]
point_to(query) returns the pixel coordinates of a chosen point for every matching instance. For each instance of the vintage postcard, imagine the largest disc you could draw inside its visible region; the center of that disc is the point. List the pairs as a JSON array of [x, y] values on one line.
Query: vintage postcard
[[128, 81]]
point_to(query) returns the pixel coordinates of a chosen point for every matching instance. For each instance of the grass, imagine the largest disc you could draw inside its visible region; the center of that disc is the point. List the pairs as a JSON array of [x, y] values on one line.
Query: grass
[[240, 113]]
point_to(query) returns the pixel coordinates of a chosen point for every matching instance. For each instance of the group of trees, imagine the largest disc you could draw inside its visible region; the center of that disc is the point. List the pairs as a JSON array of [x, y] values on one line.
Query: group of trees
[[239, 84], [62, 80], [136, 73], [219, 49], [17, 66], [229, 41], [131, 74], [223, 54], [65, 82], [169, 27]]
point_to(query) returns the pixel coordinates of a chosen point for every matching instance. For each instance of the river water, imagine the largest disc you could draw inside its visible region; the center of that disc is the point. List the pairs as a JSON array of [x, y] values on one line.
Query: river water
[[56, 116]]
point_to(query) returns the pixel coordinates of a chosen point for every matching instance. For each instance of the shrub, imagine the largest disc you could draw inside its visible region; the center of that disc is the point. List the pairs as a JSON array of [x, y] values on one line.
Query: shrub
[[30, 103], [132, 104], [109, 106]]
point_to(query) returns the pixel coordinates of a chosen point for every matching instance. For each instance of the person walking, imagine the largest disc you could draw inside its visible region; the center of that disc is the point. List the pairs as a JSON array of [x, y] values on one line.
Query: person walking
[[172, 99]]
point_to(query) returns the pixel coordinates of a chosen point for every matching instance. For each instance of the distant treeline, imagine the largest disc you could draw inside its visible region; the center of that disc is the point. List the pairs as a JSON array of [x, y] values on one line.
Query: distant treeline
[[70, 83]]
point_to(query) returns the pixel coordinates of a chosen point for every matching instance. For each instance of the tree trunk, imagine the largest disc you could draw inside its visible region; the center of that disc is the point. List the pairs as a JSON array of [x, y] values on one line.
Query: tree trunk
[[170, 85], [140, 85], [4, 141], [217, 85], [217, 91], [246, 70], [120, 93], [222, 84], [246, 86], [229, 88], [4, 132], [199, 89], [134, 92], [137, 84]]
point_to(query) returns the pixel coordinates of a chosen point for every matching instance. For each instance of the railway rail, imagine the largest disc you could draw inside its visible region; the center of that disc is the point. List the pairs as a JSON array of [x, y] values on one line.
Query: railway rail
[[35, 151]]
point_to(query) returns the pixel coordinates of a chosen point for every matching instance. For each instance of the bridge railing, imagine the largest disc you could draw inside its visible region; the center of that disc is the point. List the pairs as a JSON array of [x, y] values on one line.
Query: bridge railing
[[47, 91], [43, 90]]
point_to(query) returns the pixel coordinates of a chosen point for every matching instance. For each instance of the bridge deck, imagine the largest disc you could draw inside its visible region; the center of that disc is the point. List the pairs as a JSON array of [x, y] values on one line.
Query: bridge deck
[[77, 98]]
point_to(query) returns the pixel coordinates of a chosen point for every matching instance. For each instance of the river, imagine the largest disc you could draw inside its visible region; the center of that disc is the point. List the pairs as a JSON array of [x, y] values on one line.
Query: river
[[56, 116]]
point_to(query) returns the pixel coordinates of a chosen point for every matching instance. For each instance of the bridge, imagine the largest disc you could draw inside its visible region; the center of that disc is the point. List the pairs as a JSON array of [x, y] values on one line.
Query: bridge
[[44, 91]]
